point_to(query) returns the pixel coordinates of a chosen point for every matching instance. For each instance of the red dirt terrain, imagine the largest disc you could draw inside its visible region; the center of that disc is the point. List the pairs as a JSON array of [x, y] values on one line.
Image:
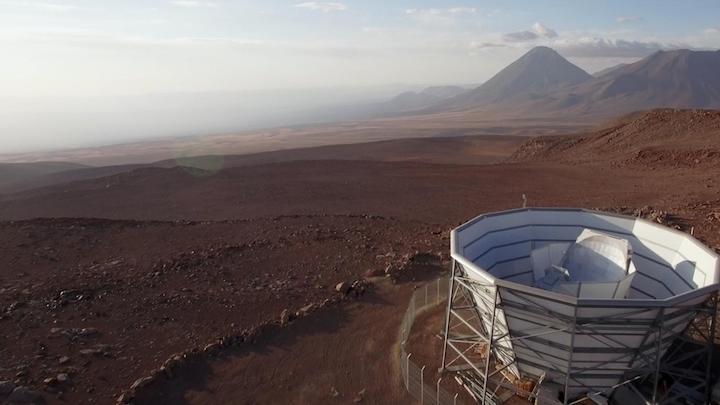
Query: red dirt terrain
[[659, 138], [104, 280], [472, 150]]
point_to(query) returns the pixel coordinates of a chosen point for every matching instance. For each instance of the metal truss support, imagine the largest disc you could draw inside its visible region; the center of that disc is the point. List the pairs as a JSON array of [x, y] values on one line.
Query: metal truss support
[[476, 329], [467, 341], [688, 363], [683, 361]]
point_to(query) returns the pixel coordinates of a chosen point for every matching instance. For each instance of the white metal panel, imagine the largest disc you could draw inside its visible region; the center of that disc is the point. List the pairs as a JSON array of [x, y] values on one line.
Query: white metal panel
[[705, 264], [663, 259]]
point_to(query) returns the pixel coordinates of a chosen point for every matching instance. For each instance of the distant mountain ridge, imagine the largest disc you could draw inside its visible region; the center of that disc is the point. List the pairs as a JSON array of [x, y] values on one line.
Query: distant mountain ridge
[[665, 79], [16, 173], [412, 100], [542, 83]]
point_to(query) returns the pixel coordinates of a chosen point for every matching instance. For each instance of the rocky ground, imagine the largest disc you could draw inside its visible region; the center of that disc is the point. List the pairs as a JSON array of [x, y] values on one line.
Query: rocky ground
[[238, 271], [91, 305]]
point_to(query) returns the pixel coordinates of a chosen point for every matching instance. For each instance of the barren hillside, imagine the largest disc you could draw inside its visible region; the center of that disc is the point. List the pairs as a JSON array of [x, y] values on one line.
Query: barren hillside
[[658, 138]]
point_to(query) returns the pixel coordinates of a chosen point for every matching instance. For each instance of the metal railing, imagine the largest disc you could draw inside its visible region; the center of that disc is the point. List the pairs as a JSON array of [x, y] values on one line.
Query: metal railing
[[415, 376]]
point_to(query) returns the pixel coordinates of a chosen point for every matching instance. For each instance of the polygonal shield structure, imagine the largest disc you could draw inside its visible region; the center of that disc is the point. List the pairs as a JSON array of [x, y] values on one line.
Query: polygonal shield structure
[[586, 300]]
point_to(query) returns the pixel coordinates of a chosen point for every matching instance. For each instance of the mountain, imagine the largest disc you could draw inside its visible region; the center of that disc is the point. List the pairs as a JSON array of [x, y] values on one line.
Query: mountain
[[544, 84], [665, 79], [538, 72], [411, 100], [608, 70], [444, 91]]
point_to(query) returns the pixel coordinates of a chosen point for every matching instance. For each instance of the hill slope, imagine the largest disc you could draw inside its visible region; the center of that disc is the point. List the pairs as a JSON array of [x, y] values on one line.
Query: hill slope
[[15, 173], [609, 70], [659, 138]]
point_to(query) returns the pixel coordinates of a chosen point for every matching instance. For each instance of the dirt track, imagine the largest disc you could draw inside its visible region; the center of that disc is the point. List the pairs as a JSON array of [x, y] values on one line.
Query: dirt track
[[336, 356]]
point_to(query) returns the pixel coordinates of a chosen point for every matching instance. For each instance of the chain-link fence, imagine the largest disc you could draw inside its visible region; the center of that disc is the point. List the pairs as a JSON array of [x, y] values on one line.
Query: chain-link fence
[[415, 377]]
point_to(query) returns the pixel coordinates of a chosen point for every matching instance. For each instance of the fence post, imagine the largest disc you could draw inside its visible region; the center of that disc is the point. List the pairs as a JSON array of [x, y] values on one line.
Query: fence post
[[455, 399], [437, 283], [437, 393], [422, 385], [407, 375]]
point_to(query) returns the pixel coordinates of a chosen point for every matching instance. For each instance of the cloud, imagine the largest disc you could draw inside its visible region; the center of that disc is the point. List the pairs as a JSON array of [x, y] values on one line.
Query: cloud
[[544, 31], [537, 31], [521, 36], [441, 11], [444, 16], [609, 48], [324, 6], [462, 10], [475, 45], [713, 30], [192, 3], [628, 19]]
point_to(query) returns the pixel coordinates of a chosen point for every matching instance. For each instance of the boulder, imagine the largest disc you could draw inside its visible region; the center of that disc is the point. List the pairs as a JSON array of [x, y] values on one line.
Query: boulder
[[141, 383], [305, 310], [284, 317], [125, 398], [50, 381], [343, 287], [212, 348]]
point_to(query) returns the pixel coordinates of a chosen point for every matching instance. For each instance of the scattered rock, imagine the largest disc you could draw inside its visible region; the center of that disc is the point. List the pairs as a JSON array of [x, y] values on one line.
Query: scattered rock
[[305, 310], [14, 306], [359, 397], [86, 332], [24, 395], [343, 287], [98, 350], [125, 398], [212, 348], [140, 383], [63, 360], [359, 287], [63, 378], [79, 332], [284, 317], [172, 364], [50, 381], [334, 392]]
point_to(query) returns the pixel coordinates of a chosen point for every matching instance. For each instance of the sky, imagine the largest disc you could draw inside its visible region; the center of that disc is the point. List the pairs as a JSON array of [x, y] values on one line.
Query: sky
[[57, 51]]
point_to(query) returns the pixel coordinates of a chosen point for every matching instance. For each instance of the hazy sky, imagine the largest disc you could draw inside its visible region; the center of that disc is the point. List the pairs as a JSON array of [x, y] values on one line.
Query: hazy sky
[[60, 49]]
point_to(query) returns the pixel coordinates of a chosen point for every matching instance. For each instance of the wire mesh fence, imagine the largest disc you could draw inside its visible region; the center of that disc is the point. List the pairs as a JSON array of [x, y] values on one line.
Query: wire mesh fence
[[415, 376]]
